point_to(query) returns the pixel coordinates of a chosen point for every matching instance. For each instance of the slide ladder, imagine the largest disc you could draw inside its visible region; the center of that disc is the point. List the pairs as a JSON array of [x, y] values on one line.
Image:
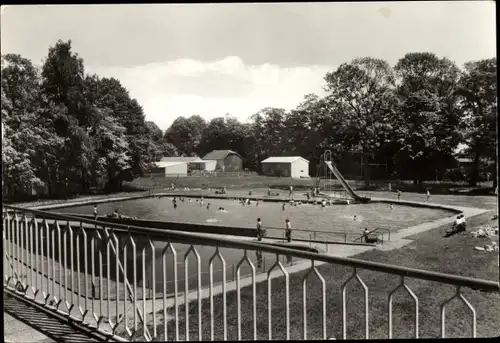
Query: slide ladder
[[343, 182]]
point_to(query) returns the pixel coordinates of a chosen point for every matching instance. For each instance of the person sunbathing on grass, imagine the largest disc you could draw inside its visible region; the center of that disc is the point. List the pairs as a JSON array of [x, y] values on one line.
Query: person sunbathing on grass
[[458, 226]]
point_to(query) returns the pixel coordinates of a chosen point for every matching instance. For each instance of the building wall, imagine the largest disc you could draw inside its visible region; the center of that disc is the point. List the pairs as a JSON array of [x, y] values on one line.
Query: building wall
[[177, 170], [300, 168], [233, 163], [210, 165], [158, 171], [277, 169]]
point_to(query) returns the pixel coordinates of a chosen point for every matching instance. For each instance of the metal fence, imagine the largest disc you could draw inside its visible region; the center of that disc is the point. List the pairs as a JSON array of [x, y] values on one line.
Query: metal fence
[[100, 274]]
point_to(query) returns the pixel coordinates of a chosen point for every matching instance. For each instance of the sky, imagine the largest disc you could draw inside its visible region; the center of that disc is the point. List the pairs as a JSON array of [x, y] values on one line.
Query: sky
[[217, 59]]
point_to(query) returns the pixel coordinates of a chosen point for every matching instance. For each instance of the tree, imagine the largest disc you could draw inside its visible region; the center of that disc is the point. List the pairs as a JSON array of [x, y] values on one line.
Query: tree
[[478, 95], [20, 103], [363, 93], [426, 124], [63, 83], [186, 134], [269, 130], [224, 133]]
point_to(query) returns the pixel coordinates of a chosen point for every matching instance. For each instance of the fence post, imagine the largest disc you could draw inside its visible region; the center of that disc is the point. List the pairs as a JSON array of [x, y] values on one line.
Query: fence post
[[234, 273]]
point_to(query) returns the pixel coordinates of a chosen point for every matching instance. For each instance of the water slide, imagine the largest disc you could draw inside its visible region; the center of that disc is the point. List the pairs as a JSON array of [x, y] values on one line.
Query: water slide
[[344, 183]]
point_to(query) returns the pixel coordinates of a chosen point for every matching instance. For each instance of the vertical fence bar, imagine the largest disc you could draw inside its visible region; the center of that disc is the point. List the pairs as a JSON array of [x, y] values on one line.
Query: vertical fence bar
[[61, 266], [153, 277], [117, 275], [37, 252], [4, 246], [47, 258], [108, 276], [78, 270], [101, 286], [53, 255], [29, 258], [92, 265], [144, 288], [85, 269], [65, 264], [72, 267]]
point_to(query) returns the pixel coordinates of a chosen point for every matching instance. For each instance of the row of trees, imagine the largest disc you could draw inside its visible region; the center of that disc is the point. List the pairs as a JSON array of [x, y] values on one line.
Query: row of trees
[[68, 132], [413, 115]]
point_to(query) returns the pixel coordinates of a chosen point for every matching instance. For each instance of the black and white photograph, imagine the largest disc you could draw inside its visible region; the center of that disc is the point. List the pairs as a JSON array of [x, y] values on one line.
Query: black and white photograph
[[249, 171]]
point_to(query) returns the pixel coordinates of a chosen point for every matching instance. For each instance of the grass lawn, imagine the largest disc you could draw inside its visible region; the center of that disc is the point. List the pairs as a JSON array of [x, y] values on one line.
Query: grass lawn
[[261, 181]]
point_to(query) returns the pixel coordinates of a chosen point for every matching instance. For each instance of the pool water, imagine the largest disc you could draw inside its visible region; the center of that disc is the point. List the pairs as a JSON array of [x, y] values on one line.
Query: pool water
[[336, 218], [342, 218]]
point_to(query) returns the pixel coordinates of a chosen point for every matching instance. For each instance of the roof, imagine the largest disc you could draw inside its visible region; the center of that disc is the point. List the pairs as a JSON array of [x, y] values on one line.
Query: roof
[[219, 154], [163, 164], [179, 159], [283, 159], [204, 161]]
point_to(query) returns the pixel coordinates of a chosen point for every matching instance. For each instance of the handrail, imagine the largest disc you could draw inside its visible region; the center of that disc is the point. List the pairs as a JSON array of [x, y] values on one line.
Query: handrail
[[206, 239], [370, 232]]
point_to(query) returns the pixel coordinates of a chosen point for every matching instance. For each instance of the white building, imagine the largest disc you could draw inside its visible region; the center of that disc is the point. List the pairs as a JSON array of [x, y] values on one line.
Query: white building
[[170, 169], [286, 166], [206, 165]]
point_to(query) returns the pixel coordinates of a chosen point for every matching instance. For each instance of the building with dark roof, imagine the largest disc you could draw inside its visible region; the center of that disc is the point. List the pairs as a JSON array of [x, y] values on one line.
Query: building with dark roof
[[227, 160]]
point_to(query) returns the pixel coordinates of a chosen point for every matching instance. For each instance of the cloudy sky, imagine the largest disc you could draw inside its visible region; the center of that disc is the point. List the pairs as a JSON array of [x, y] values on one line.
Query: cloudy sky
[[238, 58]]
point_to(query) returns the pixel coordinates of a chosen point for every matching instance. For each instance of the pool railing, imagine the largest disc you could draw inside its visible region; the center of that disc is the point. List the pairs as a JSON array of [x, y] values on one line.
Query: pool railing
[[51, 259]]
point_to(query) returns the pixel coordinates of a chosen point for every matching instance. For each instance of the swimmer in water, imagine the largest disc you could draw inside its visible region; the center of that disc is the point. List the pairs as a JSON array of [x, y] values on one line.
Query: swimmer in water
[[354, 218], [190, 200], [175, 205], [208, 206], [283, 207], [392, 206], [323, 203]]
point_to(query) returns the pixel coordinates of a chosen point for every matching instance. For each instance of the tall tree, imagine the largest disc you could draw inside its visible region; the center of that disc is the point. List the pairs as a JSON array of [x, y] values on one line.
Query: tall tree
[[20, 110], [269, 129], [363, 92], [63, 83], [186, 134], [426, 127], [478, 92]]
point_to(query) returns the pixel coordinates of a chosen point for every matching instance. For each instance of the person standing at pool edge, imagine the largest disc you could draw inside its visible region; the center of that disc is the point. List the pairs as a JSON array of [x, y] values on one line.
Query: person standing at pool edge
[[428, 195], [288, 230], [95, 212], [291, 192], [259, 230], [399, 195]]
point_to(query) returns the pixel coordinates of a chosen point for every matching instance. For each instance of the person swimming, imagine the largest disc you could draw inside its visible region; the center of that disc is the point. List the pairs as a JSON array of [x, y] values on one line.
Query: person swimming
[[323, 203], [283, 207], [208, 206]]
